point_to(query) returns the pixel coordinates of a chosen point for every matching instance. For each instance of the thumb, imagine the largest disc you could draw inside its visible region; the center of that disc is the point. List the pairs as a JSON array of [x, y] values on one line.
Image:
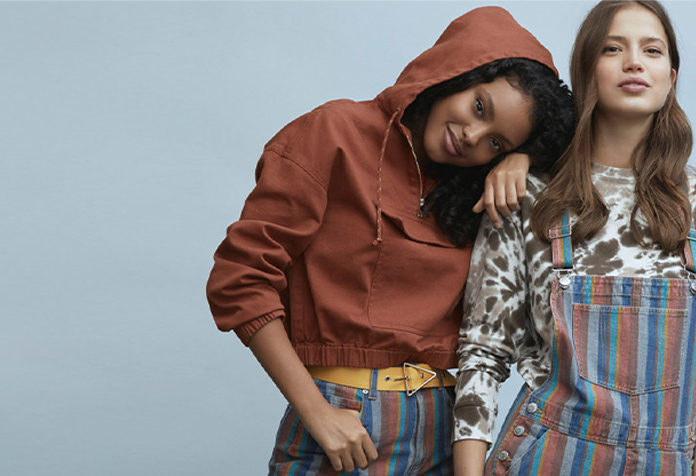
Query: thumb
[[479, 207]]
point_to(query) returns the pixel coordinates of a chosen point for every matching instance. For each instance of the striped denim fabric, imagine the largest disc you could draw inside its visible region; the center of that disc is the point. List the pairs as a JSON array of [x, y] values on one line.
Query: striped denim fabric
[[411, 434], [620, 395]]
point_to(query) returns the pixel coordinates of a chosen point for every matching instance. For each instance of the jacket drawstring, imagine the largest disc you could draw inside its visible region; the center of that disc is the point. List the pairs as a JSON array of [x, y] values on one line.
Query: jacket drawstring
[[379, 177]]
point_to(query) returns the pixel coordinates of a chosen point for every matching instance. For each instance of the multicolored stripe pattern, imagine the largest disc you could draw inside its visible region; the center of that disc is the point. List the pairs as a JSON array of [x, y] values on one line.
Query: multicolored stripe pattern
[[560, 234], [604, 338], [620, 396], [411, 434]]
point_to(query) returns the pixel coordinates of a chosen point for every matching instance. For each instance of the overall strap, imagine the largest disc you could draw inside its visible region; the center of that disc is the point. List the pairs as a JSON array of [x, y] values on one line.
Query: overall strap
[[690, 252], [561, 246]]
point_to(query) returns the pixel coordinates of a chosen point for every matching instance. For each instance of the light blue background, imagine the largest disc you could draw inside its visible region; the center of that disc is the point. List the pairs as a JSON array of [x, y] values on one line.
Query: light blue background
[[129, 134]]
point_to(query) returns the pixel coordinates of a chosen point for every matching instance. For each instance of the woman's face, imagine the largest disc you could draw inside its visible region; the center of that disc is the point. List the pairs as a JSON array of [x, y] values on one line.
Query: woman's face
[[472, 127], [634, 73]]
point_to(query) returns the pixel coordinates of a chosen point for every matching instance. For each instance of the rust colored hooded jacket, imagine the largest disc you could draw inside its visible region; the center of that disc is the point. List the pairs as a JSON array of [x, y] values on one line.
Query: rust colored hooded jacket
[[356, 287]]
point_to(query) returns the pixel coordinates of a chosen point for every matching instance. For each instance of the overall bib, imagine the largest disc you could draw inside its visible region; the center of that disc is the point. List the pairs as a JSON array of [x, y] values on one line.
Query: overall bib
[[620, 396]]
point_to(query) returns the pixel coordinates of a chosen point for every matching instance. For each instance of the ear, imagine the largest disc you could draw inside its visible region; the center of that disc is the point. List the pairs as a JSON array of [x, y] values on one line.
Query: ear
[[672, 77]]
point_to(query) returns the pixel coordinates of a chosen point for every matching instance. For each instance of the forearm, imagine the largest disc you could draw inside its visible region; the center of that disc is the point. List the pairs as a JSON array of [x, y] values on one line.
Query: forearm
[[469, 457], [491, 332], [272, 348], [339, 432]]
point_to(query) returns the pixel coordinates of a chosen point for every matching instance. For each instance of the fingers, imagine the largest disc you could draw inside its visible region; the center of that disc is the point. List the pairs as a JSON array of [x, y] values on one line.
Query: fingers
[[511, 199], [365, 454], [347, 461], [361, 454], [501, 196], [501, 203], [336, 462], [344, 460], [370, 451], [504, 188], [515, 192], [521, 188], [346, 442], [493, 214], [359, 458], [487, 202]]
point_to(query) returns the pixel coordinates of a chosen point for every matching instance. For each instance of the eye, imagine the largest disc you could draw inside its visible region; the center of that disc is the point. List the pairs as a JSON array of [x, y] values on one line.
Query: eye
[[496, 144], [479, 107], [654, 51], [611, 49]]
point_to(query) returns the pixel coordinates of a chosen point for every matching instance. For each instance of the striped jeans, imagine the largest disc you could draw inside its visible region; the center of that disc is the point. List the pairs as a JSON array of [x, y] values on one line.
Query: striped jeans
[[412, 434]]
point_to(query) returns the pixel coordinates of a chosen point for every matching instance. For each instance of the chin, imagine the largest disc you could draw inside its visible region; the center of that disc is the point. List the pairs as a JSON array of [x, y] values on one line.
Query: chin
[[634, 111]]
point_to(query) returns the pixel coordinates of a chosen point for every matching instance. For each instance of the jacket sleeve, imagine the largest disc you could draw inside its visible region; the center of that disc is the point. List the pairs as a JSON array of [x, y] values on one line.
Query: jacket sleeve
[[279, 219], [493, 326]]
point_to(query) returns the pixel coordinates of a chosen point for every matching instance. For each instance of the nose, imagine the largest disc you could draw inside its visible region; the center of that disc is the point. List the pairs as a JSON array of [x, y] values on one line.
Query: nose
[[633, 61], [473, 134]]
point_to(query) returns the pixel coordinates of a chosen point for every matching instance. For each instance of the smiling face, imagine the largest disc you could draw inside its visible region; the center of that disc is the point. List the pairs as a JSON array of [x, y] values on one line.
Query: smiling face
[[472, 127], [633, 73]]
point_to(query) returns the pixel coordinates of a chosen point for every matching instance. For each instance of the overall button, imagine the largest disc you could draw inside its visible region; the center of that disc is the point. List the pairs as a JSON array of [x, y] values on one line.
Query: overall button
[[532, 408], [518, 431], [503, 455], [693, 286]]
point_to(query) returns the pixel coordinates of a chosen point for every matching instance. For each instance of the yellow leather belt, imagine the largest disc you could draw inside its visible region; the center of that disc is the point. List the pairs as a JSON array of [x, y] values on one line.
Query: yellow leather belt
[[407, 378]]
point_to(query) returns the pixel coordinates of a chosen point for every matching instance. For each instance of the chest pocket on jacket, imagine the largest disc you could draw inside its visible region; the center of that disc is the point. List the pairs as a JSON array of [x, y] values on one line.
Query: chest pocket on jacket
[[418, 278]]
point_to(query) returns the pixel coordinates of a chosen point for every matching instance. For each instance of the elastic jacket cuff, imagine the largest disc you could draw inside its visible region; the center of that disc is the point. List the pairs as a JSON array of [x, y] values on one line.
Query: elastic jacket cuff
[[246, 331]]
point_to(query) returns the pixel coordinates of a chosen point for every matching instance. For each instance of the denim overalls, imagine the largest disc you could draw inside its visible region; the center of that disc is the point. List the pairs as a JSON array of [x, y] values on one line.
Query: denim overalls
[[620, 396]]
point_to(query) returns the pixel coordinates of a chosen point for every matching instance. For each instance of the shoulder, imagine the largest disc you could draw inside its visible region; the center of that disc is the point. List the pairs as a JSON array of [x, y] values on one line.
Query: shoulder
[[315, 139], [333, 122]]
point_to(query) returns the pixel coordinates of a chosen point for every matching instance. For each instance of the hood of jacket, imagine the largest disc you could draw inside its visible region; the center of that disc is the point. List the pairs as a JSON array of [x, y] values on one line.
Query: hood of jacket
[[478, 37]]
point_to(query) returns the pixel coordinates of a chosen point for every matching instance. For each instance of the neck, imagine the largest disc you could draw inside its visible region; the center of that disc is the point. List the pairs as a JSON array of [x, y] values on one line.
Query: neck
[[616, 139]]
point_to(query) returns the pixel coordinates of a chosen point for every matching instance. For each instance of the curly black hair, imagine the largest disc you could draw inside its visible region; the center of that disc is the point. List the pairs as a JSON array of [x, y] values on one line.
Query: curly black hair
[[553, 123]]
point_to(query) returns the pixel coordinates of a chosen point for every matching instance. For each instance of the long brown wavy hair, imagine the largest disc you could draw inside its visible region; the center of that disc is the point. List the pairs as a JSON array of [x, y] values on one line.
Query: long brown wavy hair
[[658, 161]]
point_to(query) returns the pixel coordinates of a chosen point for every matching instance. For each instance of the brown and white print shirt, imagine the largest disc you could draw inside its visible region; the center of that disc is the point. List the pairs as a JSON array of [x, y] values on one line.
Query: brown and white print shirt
[[507, 314]]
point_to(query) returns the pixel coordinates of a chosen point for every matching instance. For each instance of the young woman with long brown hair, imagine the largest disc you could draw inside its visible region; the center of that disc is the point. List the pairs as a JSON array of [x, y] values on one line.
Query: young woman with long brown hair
[[590, 288]]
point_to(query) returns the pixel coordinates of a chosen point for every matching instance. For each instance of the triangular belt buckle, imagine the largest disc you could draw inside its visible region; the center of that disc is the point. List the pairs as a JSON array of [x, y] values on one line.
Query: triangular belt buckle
[[422, 371]]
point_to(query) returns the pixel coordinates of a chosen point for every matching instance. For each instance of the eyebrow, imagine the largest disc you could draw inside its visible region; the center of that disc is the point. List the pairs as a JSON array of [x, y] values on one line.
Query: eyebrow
[[644, 40], [491, 112]]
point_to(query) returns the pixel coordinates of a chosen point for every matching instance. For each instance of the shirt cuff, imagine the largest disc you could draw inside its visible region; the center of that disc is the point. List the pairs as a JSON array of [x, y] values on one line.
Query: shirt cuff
[[475, 407]]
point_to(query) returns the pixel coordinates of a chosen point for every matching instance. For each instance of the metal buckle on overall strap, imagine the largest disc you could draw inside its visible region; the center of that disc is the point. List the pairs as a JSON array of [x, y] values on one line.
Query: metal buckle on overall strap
[[557, 231], [562, 263]]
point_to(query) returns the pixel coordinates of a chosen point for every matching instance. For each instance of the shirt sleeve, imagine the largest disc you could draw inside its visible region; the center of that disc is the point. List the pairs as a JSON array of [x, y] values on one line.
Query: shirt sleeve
[[493, 326], [280, 217]]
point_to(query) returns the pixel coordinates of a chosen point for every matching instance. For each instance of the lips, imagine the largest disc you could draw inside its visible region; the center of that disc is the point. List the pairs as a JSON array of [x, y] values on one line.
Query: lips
[[452, 143], [634, 85]]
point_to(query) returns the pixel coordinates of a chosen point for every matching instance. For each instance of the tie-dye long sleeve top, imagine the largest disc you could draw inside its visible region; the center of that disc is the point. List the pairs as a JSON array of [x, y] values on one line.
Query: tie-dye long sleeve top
[[507, 314]]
